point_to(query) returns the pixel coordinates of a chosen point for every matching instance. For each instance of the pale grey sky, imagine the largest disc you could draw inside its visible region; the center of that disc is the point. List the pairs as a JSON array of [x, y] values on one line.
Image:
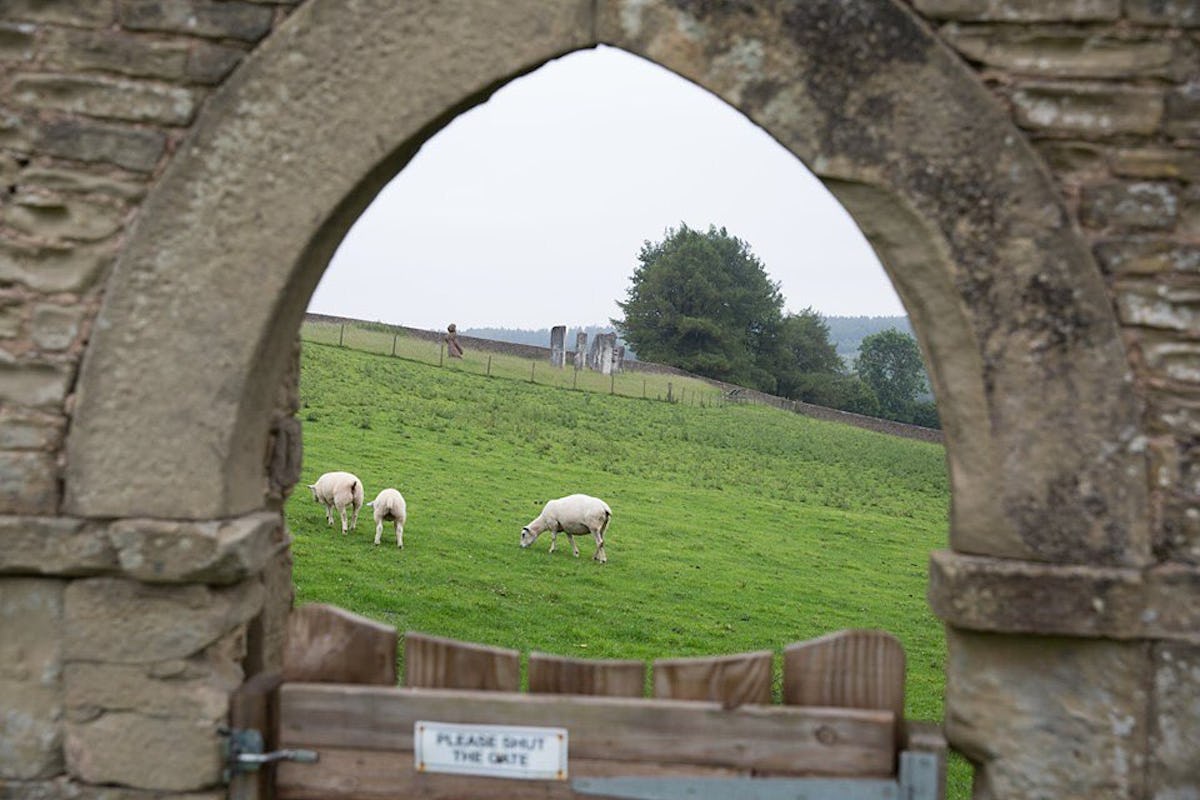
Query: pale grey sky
[[529, 210]]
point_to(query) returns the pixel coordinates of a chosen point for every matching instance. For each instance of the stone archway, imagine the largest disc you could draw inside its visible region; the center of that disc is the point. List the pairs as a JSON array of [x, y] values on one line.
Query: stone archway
[[1041, 427]]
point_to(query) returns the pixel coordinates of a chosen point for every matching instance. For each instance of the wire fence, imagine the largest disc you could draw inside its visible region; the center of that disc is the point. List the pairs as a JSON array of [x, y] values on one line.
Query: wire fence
[[382, 340]]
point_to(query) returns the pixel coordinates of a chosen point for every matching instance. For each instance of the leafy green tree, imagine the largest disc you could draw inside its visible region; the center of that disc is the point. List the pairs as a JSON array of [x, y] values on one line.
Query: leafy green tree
[[806, 360], [890, 363], [703, 302]]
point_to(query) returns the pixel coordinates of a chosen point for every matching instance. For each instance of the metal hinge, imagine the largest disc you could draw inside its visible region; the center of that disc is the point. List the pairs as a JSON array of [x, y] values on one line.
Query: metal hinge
[[244, 752]]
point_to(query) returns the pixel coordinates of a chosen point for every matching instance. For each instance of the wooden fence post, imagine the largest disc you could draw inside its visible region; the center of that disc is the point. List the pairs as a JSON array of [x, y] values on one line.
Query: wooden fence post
[[395, 336], [670, 387], [532, 368], [441, 353], [341, 334], [612, 383], [489, 367]]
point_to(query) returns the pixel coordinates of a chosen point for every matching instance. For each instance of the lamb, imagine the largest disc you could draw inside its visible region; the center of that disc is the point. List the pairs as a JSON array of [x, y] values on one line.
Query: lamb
[[389, 505], [574, 514], [338, 490]]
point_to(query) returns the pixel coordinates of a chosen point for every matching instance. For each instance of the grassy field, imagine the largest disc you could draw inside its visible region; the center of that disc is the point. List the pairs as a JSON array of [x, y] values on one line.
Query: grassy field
[[734, 528]]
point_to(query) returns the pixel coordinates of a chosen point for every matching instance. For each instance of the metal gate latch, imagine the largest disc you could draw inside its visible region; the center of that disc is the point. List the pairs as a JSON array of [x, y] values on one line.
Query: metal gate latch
[[244, 752]]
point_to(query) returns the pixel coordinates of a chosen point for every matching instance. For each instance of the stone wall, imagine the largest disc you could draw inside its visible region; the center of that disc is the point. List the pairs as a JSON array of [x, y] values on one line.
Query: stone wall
[[121, 637], [120, 640]]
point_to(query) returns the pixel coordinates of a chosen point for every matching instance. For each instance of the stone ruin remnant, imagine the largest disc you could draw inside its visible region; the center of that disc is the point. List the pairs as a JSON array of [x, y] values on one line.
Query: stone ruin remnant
[[581, 341], [558, 336], [605, 345]]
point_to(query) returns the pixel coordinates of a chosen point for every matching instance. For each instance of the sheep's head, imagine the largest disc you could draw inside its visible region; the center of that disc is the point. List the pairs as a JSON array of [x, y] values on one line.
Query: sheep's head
[[312, 487], [528, 537]]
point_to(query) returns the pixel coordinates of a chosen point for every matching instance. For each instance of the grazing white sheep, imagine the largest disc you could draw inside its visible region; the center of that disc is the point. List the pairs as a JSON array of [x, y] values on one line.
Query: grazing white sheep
[[338, 490], [574, 514], [389, 505]]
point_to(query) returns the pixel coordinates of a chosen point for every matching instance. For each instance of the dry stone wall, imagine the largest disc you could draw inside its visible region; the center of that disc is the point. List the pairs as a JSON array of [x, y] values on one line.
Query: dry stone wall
[[120, 638]]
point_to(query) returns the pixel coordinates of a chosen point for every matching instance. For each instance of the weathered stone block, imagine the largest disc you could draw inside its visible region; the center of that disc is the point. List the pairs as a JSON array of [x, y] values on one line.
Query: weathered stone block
[[72, 49], [209, 552], [1163, 12], [1088, 109], [1020, 10], [54, 217], [1065, 156], [1175, 308], [144, 752], [15, 131], [1147, 256], [110, 98], [1183, 112], [52, 268], [16, 42], [1049, 717], [78, 181], [28, 483], [1172, 359], [131, 148], [12, 319], [1061, 52], [1175, 724], [1129, 206], [54, 546], [63, 788], [34, 384], [1172, 412], [1025, 597], [233, 19], [121, 621], [1159, 163], [1180, 531], [210, 63], [83, 14], [55, 327], [31, 613], [196, 693], [30, 430]]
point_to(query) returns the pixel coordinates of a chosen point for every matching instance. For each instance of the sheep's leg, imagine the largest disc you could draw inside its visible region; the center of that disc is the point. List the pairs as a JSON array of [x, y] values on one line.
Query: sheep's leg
[[329, 514], [343, 511], [378, 531], [553, 540], [354, 522], [399, 535], [599, 555], [574, 547]]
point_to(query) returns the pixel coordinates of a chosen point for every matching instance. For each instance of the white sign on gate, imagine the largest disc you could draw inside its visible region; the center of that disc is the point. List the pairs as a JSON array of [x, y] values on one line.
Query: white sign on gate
[[498, 751]]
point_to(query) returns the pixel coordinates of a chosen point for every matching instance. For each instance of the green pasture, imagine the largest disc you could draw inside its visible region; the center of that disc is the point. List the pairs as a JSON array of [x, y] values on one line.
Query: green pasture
[[734, 527]]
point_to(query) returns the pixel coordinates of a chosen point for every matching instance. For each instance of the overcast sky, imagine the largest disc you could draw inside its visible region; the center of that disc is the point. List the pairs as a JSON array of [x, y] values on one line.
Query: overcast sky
[[529, 210]]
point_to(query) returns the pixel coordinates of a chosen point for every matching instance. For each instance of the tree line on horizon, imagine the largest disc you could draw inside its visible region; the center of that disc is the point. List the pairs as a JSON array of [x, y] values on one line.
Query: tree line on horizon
[[703, 302]]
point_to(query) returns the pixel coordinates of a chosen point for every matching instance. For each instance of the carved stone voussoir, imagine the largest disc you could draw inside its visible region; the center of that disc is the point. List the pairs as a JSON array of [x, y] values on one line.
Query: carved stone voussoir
[[1010, 596]]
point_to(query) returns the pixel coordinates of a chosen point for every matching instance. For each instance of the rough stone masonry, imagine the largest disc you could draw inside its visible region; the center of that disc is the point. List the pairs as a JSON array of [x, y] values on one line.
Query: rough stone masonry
[[1029, 169]]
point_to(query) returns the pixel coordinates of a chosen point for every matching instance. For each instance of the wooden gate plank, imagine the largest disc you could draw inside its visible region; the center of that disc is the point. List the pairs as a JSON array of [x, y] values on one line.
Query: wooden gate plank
[[847, 669], [331, 645], [729, 680], [373, 775], [777, 739], [434, 662], [559, 675]]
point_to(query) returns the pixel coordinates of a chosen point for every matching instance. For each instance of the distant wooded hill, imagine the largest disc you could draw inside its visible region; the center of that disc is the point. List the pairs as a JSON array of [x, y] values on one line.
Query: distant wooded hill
[[846, 333]]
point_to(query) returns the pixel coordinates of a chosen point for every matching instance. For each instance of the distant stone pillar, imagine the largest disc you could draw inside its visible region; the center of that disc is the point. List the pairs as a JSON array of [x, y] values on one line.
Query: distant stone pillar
[[593, 357], [558, 339], [618, 358], [580, 349], [605, 343]]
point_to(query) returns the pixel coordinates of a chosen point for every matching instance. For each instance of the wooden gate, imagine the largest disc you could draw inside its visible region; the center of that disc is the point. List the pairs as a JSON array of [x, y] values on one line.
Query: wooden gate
[[709, 730]]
